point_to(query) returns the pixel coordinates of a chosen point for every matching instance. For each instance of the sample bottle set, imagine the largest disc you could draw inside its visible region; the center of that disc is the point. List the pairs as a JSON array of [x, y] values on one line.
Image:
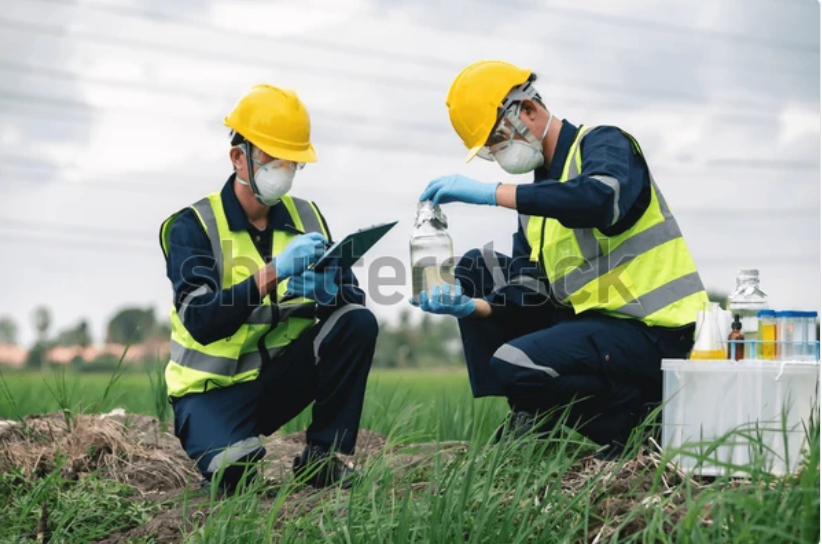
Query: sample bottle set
[[751, 330]]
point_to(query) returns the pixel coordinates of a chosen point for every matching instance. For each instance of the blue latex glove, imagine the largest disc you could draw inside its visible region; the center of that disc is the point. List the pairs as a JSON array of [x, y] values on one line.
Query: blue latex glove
[[457, 188], [319, 286], [443, 302], [303, 251]]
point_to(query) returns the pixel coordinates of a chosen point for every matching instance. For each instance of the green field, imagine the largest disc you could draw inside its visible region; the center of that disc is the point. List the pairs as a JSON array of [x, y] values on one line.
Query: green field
[[524, 491], [417, 405]]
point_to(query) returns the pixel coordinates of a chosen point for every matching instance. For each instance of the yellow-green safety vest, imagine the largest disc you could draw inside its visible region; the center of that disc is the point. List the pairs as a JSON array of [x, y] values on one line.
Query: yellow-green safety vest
[[644, 273], [195, 367]]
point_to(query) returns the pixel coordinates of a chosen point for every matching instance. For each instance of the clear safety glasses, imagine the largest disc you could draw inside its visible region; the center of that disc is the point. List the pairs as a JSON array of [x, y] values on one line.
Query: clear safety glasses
[[504, 132], [273, 163]]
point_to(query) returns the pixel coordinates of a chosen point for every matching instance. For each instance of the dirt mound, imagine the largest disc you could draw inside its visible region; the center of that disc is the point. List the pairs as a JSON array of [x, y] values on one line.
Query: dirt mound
[[128, 448]]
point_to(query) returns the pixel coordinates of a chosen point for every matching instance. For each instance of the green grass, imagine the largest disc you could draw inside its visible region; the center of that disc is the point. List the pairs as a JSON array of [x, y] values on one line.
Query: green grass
[[78, 511], [435, 404], [524, 491]]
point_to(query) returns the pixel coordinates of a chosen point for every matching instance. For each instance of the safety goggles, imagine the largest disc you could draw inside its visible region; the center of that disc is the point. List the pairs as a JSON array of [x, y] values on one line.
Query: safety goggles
[[505, 131], [273, 163]]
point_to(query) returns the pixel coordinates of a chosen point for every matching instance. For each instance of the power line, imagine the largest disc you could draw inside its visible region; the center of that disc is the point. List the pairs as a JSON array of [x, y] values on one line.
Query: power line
[[574, 13], [66, 75], [44, 242], [303, 41], [68, 229], [347, 119], [668, 28], [359, 77], [234, 59]]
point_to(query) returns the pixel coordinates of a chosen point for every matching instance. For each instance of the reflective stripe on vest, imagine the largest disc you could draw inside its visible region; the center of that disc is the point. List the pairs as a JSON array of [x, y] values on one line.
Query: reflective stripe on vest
[[195, 367], [585, 271]]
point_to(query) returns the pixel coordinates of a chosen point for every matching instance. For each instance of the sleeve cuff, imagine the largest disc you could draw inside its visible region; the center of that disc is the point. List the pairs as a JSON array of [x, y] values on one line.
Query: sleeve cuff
[[528, 198], [249, 291]]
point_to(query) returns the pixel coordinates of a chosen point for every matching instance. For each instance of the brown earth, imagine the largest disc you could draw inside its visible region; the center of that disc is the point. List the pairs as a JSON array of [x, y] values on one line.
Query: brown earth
[[132, 449]]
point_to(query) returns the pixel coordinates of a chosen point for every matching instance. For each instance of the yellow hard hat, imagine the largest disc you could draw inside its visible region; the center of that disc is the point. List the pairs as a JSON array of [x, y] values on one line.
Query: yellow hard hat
[[476, 96], [276, 121]]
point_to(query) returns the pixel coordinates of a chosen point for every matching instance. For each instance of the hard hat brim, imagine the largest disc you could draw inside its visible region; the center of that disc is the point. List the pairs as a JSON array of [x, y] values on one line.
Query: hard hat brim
[[472, 153], [303, 155]]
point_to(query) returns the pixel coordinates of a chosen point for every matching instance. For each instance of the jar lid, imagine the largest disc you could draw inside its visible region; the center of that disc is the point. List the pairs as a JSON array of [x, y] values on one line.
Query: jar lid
[[790, 313], [766, 313]]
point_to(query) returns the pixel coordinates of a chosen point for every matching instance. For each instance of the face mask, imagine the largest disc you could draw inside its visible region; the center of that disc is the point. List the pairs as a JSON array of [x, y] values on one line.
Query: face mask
[[272, 181], [520, 157]]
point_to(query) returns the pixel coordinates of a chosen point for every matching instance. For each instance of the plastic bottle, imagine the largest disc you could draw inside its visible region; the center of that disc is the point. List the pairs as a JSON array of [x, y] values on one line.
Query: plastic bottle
[[432, 251], [736, 344], [708, 342], [767, 334], [746, 300]]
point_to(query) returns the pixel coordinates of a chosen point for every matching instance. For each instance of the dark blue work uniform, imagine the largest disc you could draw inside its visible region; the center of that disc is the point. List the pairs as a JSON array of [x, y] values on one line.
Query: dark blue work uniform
[[328, 365], [613, 364]]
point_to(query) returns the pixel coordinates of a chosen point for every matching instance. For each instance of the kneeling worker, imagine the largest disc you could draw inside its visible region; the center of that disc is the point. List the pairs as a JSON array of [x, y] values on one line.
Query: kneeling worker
[[256, 335], [601, 285]]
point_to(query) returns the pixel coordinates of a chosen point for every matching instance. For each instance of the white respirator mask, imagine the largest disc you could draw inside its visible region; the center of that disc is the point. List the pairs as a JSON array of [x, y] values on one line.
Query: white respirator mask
[[273, 180], [516, 156]]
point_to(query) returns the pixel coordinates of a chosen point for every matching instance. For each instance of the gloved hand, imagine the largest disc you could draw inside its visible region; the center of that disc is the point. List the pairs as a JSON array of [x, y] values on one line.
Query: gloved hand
[[319, 286], [303, 251], [457, 188], [443, 302]]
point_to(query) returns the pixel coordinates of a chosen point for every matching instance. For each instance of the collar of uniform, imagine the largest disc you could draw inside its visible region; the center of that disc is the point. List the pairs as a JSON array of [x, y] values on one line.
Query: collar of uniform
[[278, 216], [564, 142]]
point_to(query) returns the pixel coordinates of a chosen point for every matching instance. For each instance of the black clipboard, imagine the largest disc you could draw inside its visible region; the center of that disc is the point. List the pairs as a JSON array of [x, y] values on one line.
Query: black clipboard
[[346, 252]]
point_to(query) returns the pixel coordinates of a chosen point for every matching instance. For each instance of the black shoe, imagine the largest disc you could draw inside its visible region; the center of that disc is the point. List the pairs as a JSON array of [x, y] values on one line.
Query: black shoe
[[518, 425], [611, 451], [320, 468]]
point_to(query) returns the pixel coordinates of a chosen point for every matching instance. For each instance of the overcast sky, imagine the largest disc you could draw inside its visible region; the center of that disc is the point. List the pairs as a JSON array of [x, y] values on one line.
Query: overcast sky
[[111, 119]]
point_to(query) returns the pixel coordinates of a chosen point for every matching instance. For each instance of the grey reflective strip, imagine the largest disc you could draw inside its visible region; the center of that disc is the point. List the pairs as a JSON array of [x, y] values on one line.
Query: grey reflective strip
[[663, 296], [329, 325], [614, 185], [206, 213], [573, 171], [588, 244], [523, 222], [628, 250], [214, 364], [311, 223], [201, 290], [530, 282], [234, 452], [516, 356], [264, 315], [489, 257]]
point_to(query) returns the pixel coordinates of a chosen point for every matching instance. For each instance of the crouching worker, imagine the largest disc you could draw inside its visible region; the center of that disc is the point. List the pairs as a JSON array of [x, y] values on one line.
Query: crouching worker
[[256, 335], [601, 285]]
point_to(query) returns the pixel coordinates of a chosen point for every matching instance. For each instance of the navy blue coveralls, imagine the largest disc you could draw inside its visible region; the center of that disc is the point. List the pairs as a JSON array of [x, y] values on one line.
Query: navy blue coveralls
[[328, 365], [613, 364]]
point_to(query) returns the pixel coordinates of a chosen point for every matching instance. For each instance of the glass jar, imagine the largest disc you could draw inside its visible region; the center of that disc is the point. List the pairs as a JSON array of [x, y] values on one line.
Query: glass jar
[[767, 334], [432, 251], [746, 300]]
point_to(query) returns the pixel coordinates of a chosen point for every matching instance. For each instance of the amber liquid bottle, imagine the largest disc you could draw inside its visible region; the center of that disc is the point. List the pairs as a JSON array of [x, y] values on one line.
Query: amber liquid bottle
[[736, 341]]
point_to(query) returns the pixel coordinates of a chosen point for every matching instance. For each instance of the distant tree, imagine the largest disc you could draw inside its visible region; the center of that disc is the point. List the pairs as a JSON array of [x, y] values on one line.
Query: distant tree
[[75, 336], [8, 331], [42, 322], [131, 324]]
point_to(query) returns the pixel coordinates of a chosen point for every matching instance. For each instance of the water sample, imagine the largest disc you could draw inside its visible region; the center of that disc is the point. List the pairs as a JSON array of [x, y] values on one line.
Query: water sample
[[432, 251]]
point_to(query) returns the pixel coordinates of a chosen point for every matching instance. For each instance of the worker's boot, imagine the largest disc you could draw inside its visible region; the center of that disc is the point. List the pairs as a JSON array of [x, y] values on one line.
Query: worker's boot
[[320, 468], [518, 425]]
